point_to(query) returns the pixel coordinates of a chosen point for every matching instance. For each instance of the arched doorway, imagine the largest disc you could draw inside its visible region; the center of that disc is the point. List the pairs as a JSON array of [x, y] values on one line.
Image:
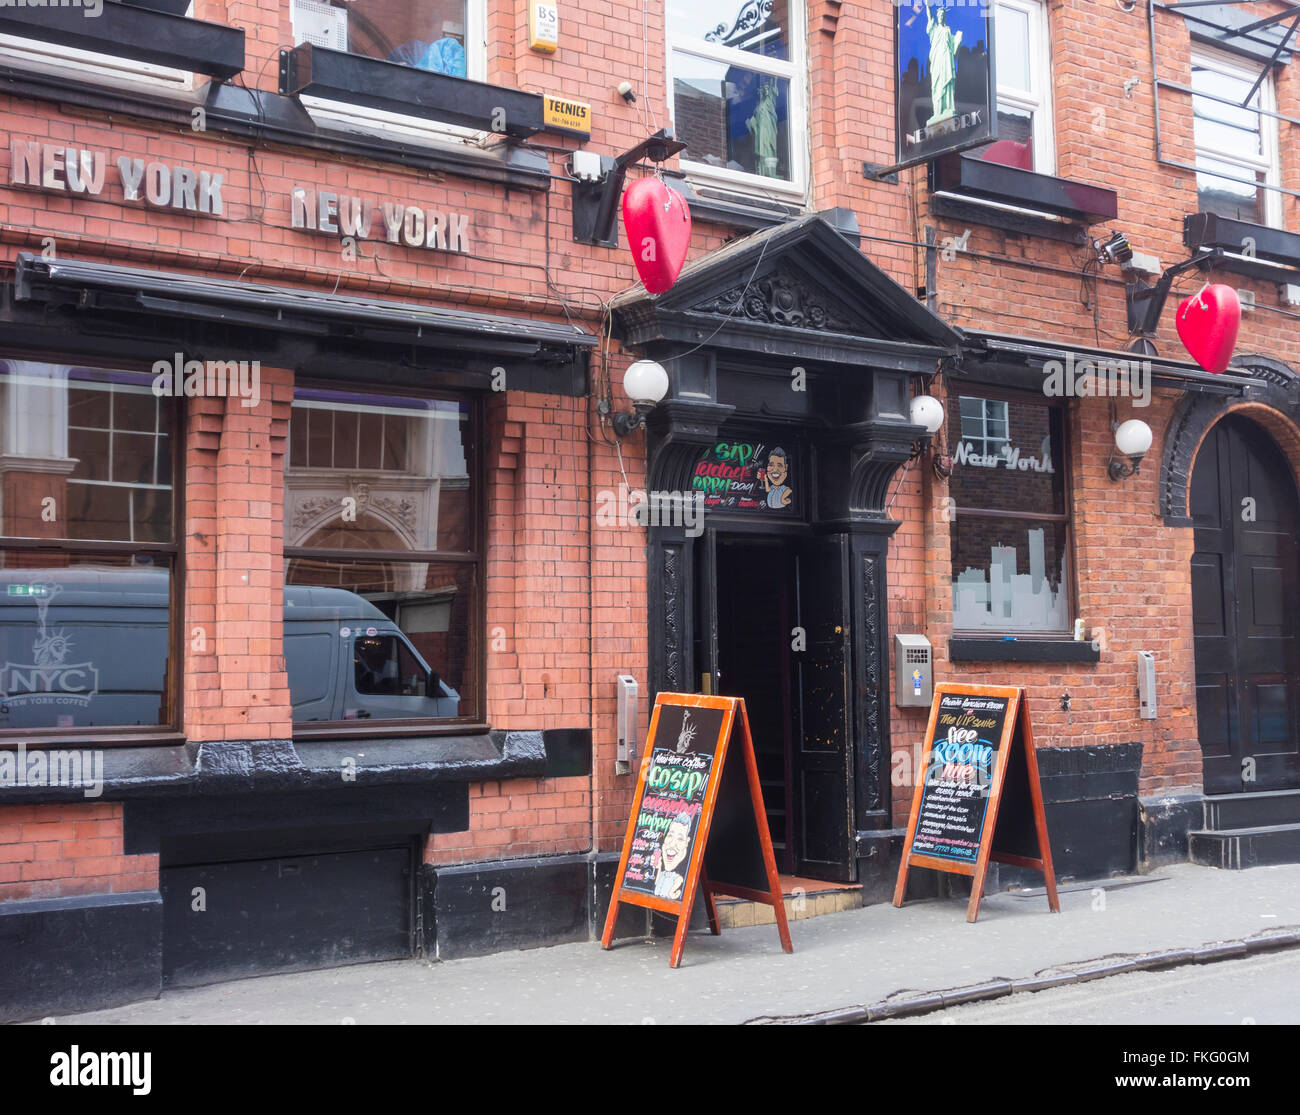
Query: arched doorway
[[1246, 609]]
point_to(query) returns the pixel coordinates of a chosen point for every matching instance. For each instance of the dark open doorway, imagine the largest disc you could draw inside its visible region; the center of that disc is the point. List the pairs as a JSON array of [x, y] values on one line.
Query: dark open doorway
[[755, 610], [773, 626]]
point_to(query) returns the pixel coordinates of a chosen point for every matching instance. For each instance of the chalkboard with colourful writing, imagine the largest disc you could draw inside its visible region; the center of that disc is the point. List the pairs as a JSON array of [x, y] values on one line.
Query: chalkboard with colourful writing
[[977, 796], [698, 765], [958, 777], [668, 819], [748, 475]]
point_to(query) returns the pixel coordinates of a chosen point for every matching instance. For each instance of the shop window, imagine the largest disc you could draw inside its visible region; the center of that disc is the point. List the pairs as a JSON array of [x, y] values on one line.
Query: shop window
[[1010, 526], [1236, 147], [738, 89], [383, 596], [1024, 75], [88, 549]]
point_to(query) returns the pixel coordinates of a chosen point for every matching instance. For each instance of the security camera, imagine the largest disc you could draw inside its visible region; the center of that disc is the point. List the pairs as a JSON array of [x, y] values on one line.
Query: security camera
[[1114, 250], [626, 91]]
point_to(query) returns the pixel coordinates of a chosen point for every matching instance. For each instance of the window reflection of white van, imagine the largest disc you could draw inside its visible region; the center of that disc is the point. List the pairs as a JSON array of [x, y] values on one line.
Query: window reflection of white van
[[87, 647], [360, 675]]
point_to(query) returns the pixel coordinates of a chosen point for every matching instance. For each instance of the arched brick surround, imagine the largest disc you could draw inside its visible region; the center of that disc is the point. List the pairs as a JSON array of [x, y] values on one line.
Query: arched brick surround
[[1274, 404]]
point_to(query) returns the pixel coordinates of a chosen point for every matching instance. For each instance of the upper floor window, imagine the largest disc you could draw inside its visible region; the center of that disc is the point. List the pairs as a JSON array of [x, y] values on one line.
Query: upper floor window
[[1236, 147], [1023, 66], [737, 81], [443, 36]]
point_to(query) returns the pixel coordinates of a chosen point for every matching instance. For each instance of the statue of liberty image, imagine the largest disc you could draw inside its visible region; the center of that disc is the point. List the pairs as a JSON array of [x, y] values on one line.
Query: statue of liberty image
[[943, 65], [50, 648], [763, 126]]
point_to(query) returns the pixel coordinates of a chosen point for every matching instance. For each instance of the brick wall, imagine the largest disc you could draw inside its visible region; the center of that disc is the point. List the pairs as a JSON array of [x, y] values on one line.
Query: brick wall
[[53, 851], [568, 597]]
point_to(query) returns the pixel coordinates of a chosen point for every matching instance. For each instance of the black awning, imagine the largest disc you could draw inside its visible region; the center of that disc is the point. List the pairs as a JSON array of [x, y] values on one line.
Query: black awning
[[337, 75], [127, 31], [102, 286], [1032, 353]]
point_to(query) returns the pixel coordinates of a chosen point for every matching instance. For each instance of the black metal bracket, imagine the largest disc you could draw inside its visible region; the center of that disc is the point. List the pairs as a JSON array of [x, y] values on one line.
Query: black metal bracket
[[595, 204], [1118, 470], [1147, 303]]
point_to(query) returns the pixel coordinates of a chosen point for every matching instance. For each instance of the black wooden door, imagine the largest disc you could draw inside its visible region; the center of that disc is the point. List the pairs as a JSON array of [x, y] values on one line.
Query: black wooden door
[[1246, 617], [822, 752]]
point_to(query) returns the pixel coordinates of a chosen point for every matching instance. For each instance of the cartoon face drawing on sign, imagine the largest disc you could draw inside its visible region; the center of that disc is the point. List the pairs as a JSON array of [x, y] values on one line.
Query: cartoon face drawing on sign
[[670, 856], [774, 478]]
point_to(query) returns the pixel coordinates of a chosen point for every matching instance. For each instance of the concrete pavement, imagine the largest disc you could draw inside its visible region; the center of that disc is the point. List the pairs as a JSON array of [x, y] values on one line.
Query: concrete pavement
[[853, 958]]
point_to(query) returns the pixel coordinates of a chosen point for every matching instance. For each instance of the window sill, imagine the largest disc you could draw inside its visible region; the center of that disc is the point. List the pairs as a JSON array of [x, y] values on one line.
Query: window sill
[[1276, 253], [750, 213], [140, 34], [1021, 200], [233, 110], [257, 767], [992, 649], [335, 75]]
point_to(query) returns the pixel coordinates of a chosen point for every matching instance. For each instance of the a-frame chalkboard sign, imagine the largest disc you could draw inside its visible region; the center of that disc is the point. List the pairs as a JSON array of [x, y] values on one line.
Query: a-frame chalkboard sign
[[977, 795], [698, 823]]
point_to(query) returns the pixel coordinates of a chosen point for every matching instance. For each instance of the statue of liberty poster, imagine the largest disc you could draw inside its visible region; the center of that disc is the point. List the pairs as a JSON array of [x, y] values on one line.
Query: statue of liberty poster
[[945, 94]]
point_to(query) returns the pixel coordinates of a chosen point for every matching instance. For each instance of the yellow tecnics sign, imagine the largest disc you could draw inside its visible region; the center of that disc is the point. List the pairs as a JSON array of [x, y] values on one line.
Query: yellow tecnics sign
[[564, 115]]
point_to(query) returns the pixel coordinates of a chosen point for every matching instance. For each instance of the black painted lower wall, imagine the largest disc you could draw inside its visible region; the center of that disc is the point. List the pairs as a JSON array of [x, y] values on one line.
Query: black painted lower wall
[[1095, 823], [482, 908], [89, 952]]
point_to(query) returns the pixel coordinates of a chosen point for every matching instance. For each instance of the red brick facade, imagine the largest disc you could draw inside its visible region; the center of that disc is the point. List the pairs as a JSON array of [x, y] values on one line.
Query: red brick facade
[[566, 600]]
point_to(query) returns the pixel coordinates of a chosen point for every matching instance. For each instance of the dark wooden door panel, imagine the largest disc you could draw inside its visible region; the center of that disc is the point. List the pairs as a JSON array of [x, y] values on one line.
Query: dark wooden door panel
[[1246, 623], [823, 752]]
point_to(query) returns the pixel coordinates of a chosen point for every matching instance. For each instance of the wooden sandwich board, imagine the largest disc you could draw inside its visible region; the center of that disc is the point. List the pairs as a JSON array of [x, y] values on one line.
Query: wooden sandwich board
[[698, 824], [977, 792]]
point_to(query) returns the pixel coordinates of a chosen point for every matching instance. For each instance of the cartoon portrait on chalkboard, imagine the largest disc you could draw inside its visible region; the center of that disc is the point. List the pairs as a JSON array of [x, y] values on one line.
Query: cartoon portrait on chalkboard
[[775, 477], [670, 856]]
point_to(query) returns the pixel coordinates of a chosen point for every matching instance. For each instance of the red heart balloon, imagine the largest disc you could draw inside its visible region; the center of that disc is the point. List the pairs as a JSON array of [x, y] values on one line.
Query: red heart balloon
[[658, 223], [1208, 323]]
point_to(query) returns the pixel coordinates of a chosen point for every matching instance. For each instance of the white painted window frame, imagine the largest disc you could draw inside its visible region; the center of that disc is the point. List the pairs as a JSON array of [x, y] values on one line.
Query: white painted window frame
[[1038, 98], [1269, 161], [795, 69]]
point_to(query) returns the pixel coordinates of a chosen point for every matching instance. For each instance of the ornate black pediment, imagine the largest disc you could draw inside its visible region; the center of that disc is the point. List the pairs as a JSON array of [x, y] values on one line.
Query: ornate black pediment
[[786, 297], [799, 289]]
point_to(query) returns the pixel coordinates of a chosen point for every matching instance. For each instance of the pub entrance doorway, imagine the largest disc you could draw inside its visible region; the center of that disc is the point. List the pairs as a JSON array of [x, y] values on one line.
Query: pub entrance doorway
[[1246, 610], [775, 632]]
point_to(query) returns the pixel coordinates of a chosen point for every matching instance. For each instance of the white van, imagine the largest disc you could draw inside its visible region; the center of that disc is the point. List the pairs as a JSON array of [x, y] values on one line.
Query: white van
[[349, 661], [87, 646]]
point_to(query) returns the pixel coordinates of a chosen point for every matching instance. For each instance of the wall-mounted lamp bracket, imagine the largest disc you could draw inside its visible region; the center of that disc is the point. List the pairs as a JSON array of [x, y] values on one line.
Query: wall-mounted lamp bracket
[[595, 204], [1147, 303]]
